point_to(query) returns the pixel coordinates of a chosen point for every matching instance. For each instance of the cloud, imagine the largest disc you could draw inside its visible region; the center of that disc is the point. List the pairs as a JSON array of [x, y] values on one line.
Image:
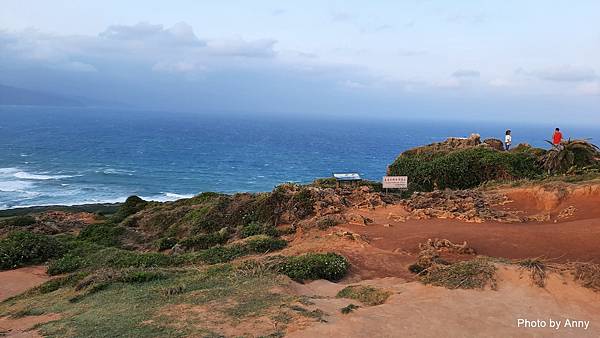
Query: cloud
[[173, 49], [591, 88], [180, 33], [239, 47], [466, 73], [500, 83], [178, 67], [448, 84], [563, 73], [409, 52], [340, 16]]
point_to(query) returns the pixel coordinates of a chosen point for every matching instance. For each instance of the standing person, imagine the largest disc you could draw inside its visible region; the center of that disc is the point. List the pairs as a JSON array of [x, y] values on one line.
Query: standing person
[[507, 140], [557, 138]]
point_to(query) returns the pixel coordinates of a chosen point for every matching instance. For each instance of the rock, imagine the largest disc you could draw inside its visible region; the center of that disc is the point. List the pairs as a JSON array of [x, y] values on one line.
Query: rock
[[464, 205], [494, 143], [450, 144]]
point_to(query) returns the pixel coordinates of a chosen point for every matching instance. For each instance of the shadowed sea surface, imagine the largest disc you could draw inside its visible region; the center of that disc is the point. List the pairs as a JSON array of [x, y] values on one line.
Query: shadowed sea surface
[[52, 155]]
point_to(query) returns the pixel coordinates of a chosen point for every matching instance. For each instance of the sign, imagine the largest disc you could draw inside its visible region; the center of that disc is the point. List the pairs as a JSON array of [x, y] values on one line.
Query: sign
[[395, 182]]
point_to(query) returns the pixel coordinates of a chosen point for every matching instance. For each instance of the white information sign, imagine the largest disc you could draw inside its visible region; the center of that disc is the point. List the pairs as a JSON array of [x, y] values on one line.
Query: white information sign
[[395, 182]]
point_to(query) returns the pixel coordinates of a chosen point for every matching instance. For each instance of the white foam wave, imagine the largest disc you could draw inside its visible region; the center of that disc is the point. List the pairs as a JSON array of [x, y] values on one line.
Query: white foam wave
[[29, 176], [112, 171], [163, 197]]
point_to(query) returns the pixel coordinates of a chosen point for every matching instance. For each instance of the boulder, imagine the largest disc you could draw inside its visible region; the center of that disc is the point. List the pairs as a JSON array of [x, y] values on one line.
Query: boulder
[[494, 143]]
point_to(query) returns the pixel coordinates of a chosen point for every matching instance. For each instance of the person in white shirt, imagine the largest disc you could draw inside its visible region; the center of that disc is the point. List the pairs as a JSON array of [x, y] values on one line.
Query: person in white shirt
[[507, 140]]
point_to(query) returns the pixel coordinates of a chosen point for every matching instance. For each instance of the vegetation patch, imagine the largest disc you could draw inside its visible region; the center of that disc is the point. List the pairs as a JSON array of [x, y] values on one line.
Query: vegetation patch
[[102, 234], [132, 205], [473, 274], [312, 266], [465, 168], [349, 308], [25, 248], [18, 221], [67, 263], [255, 228], [205, 241], [537, 270], [587, 274], [367, 295]]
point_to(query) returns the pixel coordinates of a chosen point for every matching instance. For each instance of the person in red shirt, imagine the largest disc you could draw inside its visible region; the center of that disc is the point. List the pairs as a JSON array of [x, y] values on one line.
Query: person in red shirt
[[557, 137]]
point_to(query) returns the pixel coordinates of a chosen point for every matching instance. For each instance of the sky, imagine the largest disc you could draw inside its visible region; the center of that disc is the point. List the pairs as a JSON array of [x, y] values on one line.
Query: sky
[[527, 60]]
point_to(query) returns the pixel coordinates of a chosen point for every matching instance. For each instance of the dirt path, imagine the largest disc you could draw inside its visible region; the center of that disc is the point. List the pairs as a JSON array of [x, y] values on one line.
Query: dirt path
[[416, 310], [569, 240], [16, 281]]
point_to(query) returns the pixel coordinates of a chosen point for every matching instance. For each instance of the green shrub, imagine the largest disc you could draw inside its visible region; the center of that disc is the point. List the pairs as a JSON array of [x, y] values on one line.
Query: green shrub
[[25, 248], [303, 203], [205, 241], [311, 266], [65, 264], [132, 205], [118, 258], [19, 221], [166, 243], [102, 234], [263, 244], [464, 169], [254, 229], [142, 276], [222, 254]]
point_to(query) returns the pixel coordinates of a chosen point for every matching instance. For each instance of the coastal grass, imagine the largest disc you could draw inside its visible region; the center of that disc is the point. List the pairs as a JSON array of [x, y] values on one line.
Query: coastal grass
[[136, 303]]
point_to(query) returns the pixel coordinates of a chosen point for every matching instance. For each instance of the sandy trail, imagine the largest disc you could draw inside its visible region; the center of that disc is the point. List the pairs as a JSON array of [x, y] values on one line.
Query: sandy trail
[[14, 282], [416, 310], [571, 240]]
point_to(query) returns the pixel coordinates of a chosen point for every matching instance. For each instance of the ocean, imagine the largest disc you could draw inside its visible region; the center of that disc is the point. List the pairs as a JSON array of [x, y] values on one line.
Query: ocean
[[67, 156]]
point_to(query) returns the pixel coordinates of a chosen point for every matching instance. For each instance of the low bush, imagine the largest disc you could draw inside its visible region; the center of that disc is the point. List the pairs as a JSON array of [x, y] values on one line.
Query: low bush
[[255, 228], [19, 221], [25, 248], [311, 266], [67, 263], [205, 241], [132, 205], [464, 169], [166, 243], [264, 244], [222, 254], [102, 234]]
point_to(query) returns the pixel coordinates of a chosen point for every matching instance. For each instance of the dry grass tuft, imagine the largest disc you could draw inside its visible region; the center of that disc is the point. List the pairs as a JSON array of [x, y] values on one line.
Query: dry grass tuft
[[474, 274], [587, 274], [537, 269], [367, 295]]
